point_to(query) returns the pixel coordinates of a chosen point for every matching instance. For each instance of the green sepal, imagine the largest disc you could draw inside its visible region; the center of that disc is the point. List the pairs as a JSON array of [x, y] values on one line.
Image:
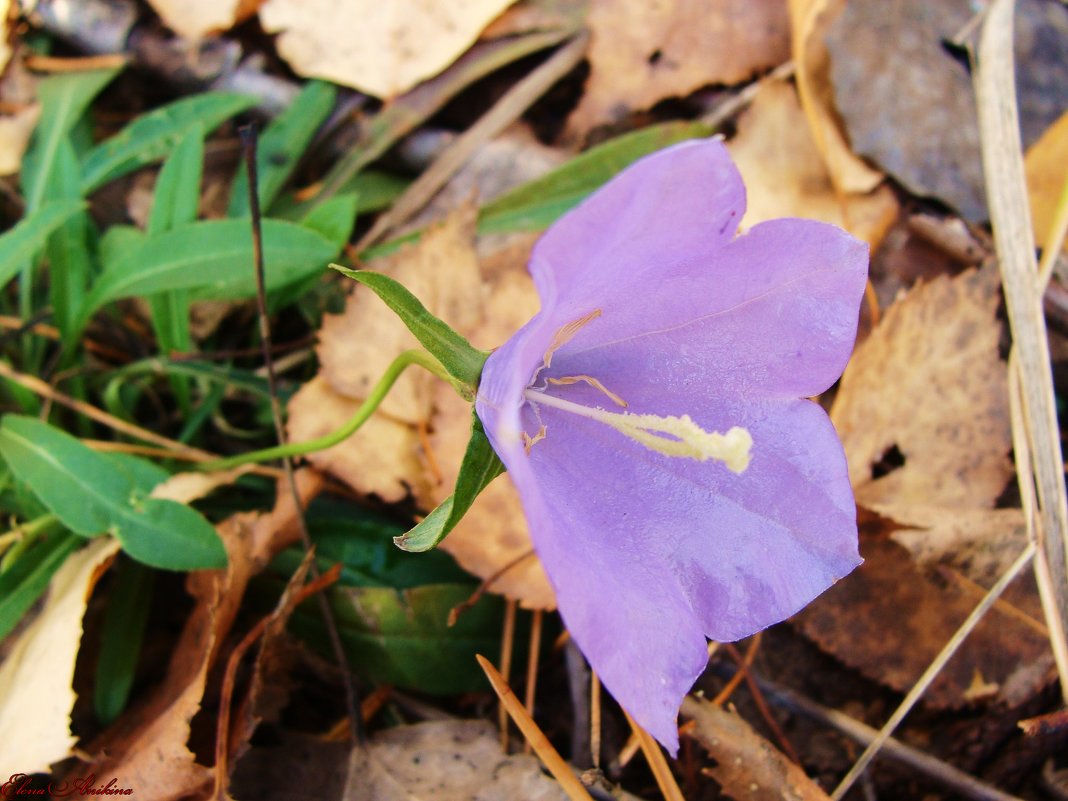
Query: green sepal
[[459, 358], [480, 466]]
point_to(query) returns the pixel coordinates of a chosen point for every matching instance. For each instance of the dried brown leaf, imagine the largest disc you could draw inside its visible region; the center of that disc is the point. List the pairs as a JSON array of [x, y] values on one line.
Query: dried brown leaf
[[809, 21], [641, 53], [1045, 164], [147, 746], [447, 761], [786, 177], [383, 49], [929, 382], [747, 765], [36, 692], [1005, 648], [195, 19]]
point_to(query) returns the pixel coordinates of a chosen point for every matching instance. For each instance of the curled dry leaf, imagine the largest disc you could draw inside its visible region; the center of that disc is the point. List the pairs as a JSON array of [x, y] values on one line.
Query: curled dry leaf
[[450, 760], [809, 20], [786, 177], [928, 387], [195, 19], [382, 49], [147, 746], [1046, 176], [641, 53], [1004, 649], [747, 765], [36, 677]]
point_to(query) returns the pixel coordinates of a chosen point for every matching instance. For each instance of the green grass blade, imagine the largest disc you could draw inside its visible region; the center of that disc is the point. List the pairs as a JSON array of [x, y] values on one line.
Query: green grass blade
[[212, 259], [69, 258], [91, 495], [152, 136], [24, 582], [19, 244], [120, 641], [174, 203], [63, 99]]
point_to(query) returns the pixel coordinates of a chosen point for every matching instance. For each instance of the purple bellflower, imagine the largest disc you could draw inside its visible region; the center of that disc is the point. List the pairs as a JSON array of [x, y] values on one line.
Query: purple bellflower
[[660, 328]]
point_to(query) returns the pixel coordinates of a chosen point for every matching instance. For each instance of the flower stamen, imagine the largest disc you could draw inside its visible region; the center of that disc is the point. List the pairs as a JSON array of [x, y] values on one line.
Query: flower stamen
[[564, 335], [668, 435], [593, 382]]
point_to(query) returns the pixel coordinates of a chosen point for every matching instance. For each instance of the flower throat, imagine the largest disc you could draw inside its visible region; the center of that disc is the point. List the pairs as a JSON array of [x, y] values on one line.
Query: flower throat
[[665, 434]]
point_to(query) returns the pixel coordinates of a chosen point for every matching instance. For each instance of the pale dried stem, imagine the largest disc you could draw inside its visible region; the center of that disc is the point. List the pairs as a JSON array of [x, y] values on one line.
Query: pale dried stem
[[507, 644], [595, 718], [504, 112], [665, 780], [552, 760], [933, 670], [532, 665], [1010, 217], [941, 772]]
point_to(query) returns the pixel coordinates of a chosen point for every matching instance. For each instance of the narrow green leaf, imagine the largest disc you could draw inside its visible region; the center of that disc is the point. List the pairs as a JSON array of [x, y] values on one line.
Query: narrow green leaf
[[24, 582], [120, 640], [282, 145], [213, 259], [174, 203], [67, 250], [90, 495], [479, 467], [176, 196], [153, 135], [63, 99], [539, 203], [334, 219], [455, 353], [375, 189], [117, 241], [20, 243]]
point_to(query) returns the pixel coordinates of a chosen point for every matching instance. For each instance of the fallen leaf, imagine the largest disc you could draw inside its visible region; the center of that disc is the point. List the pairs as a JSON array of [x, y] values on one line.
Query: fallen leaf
[[191, 486], [382, 49], [538, 15], [1046, 177], [928, 387], [195, 19], [747, 765], [451, 760], [908, 102], [147, 746], [36, 677], [5, 48], [889, 586], [15, 132], [809, 21], [786, 177], [641, 53]]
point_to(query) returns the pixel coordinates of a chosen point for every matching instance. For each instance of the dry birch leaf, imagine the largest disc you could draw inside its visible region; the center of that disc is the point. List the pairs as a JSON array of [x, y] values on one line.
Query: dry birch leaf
[[641, 53], [1005, 648], [928, 387], [147, 746], [1046, 175], [448, 760], [382, 49], [195, 19], [809, 21], [786, 177], [383, 458], [747, 765], [36, 696]]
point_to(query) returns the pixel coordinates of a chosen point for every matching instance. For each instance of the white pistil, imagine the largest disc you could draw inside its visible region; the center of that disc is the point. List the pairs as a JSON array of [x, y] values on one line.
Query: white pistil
[[669, 435]]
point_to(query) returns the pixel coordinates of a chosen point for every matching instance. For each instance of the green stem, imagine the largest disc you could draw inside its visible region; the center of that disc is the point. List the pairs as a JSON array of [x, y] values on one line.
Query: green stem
[[367, 408]]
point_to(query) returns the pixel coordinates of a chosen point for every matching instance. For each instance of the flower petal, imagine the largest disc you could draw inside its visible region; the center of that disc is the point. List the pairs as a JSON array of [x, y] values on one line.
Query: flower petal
[[670, 208], [773, 313], [649, 554]]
